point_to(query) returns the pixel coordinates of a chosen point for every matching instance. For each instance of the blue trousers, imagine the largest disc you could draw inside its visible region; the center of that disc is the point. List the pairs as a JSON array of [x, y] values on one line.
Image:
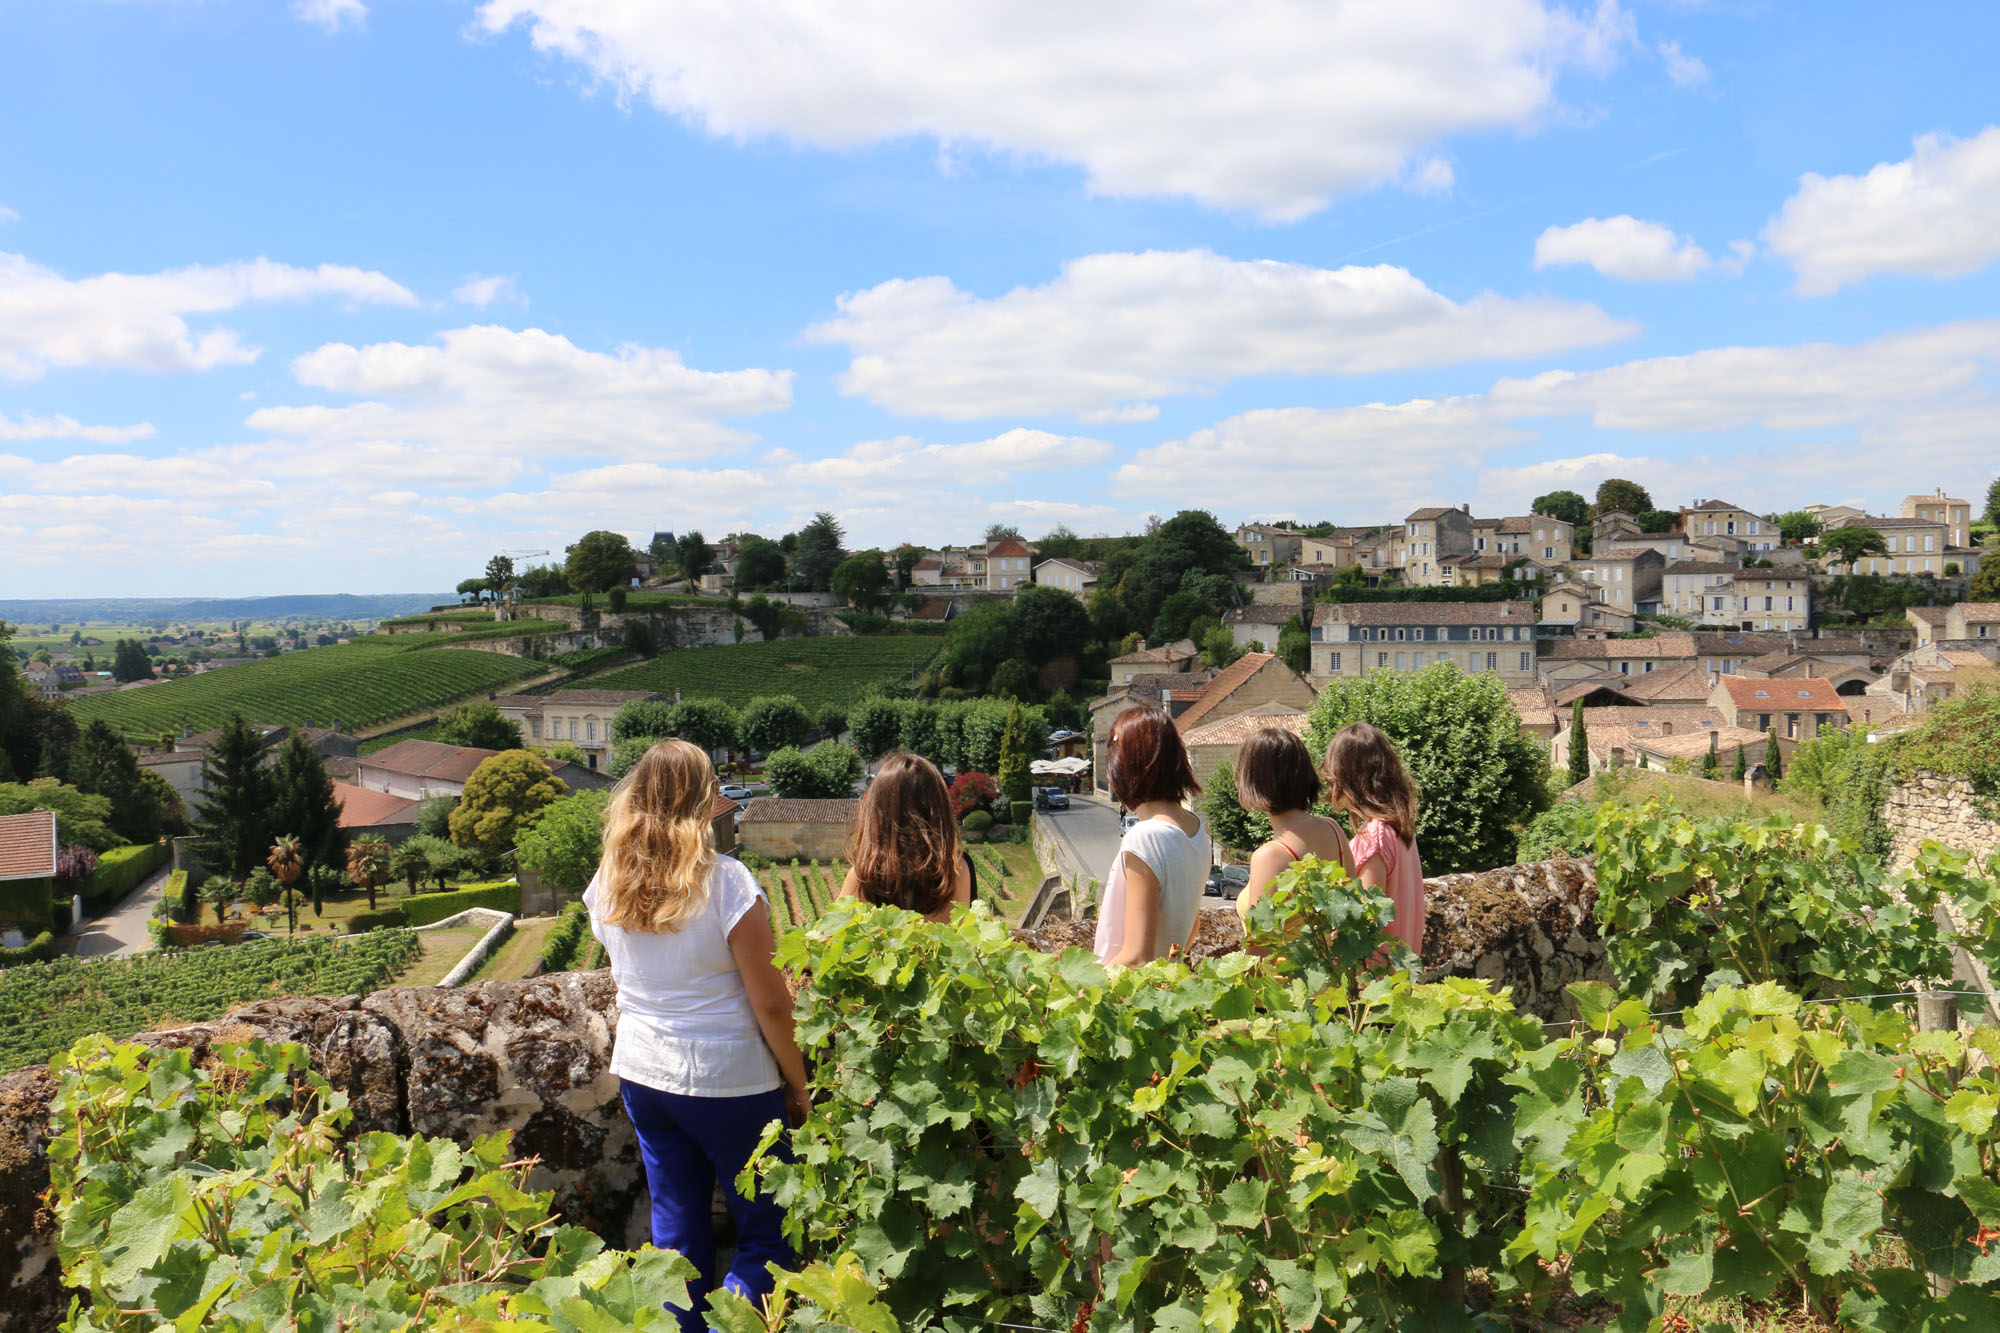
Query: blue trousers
[[687, 1143]]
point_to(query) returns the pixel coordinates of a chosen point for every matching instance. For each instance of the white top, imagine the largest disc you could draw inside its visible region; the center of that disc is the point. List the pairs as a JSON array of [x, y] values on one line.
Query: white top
[[1181, 865], [685, 1023]]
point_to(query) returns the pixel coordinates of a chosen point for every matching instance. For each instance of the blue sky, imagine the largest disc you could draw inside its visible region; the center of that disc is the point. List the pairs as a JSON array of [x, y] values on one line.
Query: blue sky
[[345, 295]]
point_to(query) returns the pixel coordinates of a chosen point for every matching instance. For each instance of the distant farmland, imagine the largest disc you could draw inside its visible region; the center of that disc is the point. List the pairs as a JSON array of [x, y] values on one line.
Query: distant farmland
[[819, 672], [371, 680]]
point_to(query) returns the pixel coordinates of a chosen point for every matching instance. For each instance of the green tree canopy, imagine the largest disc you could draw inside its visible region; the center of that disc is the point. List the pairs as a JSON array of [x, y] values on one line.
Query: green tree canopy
[[129, 662], [103, 765], [1993, 502], [1229, 823], [1192, 540], [1461, 741], [1618, 494], [564, 842], [1295, 645], [302, 802], [1015, 783], [826, 772], [1568, 506], [81, 818], [234, 814], [1798, 526], [692, 555], [760, 564], [817, 552], [774, 722], [598, 561], [1843, 546], [1049, 625], [1109, 620], [479, 725], [503, 793], [1579, 746], [860, 579], [1986, 583]]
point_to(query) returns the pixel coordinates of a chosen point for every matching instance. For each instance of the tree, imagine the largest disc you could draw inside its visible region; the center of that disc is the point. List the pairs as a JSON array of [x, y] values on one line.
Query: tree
[[818, 552], [543, 581], [479, 725], [825, 772], [972, 791], [1579, 746], [303, 803], [1798, 527], [1985, 586], [1000, 532], [1013, 679], [1774, 758], [692, 555], [1060, 543], [1844, 546], [473, 588], [1015, 782], [1049, 625], [598, 561], [1295, 645], [1109, 621], [979, 641], [1742, 769], [81, 817], [1461, 740], [876, 726], [708, 723], [130, 662], [1229, 823], [1617, 494], [369, 864], [760, 563], [1658, 520], [506, 791], [859, 580], [409, 861], [774, 722], [434, 816], [499, 575], [563, 844], [829, 721], [1710, 764], [1190, 540], [1565, 505], [1064, 713], [103, 765], [1993, 502], [234, 816], [1219, 648], [287, 864], [1177, 614]]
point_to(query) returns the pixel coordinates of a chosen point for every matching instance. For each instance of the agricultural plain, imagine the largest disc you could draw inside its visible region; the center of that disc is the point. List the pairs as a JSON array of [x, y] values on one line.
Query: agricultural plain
[[819, 672]]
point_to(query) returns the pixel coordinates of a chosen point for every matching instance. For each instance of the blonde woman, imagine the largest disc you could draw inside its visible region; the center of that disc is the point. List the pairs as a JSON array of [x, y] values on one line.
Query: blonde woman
[[705, 1054]]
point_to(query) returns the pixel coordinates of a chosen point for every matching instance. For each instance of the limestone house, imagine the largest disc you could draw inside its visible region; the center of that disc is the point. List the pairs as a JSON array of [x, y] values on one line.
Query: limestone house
[[1723, 652], [1790, 664], [44, 677], [1354, 638], [1179, 656], [927, 572], [418, 770], [779, 828], [1773, 600], [1921, 678], [1628, 578], [1562, 605], [375, 812], [1672, 546], [1798, 708], [1700, 590], [1719, 518], [1928, 622], [1213, 745], [1429, 535], [1685, 683], [1937, 507], [1624, 727], [1663, 752], [1475, 568], [1009, 565], [722, 813], [1536, 709], [180, 768], [1269, 546], [1624, 657], [1072, 576], [1260, 622], [1978, 621], [1828, 515], [1916, 546], [581, 718], [1252, 679]]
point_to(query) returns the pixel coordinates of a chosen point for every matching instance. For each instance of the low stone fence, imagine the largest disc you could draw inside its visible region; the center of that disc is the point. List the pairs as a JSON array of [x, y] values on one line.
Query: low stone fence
[[499, 925], [1933, 809]]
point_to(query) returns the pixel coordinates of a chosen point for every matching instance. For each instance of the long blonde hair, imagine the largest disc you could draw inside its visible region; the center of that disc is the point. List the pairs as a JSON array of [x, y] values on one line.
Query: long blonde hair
[[657, 856]]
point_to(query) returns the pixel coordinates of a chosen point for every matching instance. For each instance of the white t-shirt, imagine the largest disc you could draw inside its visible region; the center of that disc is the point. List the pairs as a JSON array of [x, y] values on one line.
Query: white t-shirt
[[1179, 862], [685, 1023]]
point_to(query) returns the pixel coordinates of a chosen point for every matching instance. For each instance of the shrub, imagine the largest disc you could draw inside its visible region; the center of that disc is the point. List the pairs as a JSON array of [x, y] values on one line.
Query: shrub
[[118, 872], [225, 932], [972, 791], [388, 918], [175, 902], [37, 950], [828, 771], [1020, 812], [565, 942], [429, 907], [976, 822]]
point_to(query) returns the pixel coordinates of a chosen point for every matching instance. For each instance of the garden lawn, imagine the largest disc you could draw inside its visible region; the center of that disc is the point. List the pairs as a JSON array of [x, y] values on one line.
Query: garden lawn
[[442, 950], [519, 952], [834, 671]]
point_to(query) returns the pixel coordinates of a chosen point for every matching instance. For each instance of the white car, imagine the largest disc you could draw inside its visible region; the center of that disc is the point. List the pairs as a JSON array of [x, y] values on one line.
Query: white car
[[736, 791]]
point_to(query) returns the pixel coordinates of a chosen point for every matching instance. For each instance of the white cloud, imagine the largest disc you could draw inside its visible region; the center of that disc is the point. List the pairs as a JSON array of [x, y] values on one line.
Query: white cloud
[[135, 320], [8, 215], [483, 292], [1115, 330], [333, 15], [491, 391], [1685, 70], [1267, 105], [1632, 250], [60, 427], [1935, 213]]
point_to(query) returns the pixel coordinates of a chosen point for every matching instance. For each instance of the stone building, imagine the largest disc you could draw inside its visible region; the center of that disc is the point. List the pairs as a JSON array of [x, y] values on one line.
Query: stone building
[[780, 828], [1354, 638]]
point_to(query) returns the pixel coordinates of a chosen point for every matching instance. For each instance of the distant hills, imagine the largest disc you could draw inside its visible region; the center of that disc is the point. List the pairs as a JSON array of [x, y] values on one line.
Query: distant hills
[[146, 610]]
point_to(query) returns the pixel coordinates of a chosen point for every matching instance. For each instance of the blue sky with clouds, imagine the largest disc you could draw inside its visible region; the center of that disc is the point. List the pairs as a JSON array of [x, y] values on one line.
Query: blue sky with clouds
[[347, 294]]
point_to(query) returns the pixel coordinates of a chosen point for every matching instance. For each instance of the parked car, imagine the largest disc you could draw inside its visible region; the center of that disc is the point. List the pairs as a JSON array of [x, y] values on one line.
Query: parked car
[[1051, 798], [736, 791], [1227, 882]]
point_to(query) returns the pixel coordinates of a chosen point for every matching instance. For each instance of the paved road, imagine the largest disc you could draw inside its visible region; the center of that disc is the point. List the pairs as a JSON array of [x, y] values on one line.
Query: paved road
[[1090, 832], [122, 930]]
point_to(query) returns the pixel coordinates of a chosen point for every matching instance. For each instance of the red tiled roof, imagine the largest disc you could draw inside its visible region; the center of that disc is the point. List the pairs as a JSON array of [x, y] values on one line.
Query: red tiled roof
[[769, 809], [721, 806], [28, 845], [1231, 680], [429, 759], [363, 809], [1007, 546], [1802, 692]]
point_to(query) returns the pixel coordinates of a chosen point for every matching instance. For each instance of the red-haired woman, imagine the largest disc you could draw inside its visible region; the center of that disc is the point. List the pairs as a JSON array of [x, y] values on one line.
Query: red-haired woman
[[904, 851], [1152, 896]]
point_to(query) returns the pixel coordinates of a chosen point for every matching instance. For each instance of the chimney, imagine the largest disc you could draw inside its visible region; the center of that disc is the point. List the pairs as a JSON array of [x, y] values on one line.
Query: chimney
[[1466, 507], [187, 730]]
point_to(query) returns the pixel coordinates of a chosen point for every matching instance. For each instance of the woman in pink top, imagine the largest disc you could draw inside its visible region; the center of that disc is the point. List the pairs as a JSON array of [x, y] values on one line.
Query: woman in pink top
[[1366, 780]]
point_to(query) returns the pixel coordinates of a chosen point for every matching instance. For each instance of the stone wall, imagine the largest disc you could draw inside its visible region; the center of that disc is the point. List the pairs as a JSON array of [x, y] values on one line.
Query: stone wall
[[1933, 809]]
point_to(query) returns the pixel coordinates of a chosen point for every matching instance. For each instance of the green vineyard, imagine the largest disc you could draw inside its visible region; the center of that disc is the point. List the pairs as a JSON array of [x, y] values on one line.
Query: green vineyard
[[368, 681], [802, 892], [44, 1007], [819, 672]]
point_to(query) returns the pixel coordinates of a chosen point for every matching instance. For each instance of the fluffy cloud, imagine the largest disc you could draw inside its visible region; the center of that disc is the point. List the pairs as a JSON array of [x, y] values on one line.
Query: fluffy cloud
[[1685, 70], [488, 392], [1630, 249], [333, 15], [60, 427], [135, 320], [1269, 105], [483, 292], [1933, 213], [1829, 416], [1115, 330]]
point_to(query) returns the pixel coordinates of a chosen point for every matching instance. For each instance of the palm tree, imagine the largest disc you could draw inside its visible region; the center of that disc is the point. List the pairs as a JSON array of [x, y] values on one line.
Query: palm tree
[[410, 862], [368, 863], [287, 864]]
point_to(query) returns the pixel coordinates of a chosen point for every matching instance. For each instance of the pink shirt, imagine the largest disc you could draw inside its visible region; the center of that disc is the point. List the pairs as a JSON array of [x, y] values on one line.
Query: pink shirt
[[1404, 883]]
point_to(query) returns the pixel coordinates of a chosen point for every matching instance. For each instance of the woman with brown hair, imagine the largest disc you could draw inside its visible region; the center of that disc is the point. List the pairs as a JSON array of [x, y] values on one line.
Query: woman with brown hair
[[705, 1052], [904, 851], [1152, 897], [1275, 775], [1366, 780]]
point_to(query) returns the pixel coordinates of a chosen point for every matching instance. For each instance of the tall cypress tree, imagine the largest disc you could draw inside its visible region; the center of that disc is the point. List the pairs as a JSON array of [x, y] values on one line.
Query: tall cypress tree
[[1015, 782], [303, 803], [234, 814], [1742, 763], [1774, 759], [1579, 745]]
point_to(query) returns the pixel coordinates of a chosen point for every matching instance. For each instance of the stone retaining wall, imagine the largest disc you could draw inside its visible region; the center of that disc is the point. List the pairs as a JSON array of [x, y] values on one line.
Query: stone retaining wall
[[1933, 809]]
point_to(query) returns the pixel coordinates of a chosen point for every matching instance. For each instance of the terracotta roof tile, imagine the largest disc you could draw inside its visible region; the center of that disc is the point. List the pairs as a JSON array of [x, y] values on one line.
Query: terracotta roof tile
[[429, 759], [1519, 612], [780, 809], [1232, 679], [362, 809], [1239, 728], [1811, 693], [28, 845]]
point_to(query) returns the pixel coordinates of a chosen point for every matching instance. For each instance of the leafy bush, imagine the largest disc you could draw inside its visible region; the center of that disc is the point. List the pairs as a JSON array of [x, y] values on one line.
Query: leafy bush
[[37, 950], [828, 771], [565, 942], [425, 908], [175, 902], [977, 822], [972, 791], [388, 918]]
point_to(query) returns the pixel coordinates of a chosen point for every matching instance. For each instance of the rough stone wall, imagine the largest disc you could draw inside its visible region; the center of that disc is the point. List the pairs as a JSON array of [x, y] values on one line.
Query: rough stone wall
[[531, 1056], [1932, 809], [790, 839]]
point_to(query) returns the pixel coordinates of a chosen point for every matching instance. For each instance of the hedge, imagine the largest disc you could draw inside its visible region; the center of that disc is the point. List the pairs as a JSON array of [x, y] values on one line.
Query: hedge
[[118, 872], [564, 944], [173, 897], [425, 908], [37, 950], [25, 903], [387, 918]]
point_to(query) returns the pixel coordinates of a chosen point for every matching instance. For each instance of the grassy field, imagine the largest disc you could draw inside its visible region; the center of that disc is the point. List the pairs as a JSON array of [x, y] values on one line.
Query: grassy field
[[519, 952], [374, 679], [442, 950], [819, 672]]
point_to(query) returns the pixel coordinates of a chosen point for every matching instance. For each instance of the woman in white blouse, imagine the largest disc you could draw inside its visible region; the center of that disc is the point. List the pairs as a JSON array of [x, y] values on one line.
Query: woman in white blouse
[[705, 1052], [1152, 897]]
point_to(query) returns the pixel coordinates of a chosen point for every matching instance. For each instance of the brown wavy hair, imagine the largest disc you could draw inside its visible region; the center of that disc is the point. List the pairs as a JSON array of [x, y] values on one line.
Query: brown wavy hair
[[1274, 772], [657, 857], [904, 848], [1365, 776], [1145, 760]]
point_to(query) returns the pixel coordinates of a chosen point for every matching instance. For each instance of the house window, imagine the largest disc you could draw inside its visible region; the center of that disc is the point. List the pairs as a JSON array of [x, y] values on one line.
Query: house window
[[1763, 721], [1381, 659], [1417, 661], [1624, 668], [1333, 662], [1399, 636], [1492, 661], [590, 731], [1527, 661], [1402, 662], [535, 726], [572, 728], [1791, 726]]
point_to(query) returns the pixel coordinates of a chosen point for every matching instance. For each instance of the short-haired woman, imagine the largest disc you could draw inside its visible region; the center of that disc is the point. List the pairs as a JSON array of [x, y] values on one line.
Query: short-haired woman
[[1152, 896], [1275, 774], [905, 851], [705, 1042]]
